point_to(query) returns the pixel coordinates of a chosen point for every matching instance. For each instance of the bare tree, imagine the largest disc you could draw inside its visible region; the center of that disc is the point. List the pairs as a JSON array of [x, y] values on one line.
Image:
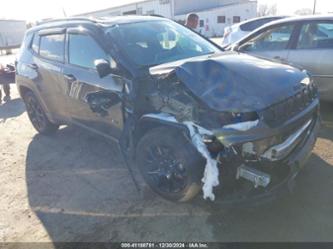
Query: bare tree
[[303, 12], [267, 10]]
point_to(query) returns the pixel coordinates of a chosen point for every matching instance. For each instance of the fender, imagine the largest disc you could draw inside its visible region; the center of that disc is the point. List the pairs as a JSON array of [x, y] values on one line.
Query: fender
[[24, 87], [152, 120]]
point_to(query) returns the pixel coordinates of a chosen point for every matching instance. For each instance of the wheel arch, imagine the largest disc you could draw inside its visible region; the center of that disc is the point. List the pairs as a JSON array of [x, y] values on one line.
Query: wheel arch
[[165, 133], [23, 90], [147, 123]]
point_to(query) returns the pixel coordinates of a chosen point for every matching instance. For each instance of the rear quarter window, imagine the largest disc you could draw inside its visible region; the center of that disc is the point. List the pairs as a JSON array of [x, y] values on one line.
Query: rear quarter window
[[35, 43], [25, 44], [250, 26], [52, 47], [316, 35]]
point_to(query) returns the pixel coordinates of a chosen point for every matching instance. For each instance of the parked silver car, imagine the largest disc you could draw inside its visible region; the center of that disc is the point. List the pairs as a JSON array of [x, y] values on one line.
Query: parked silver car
[[303, 41], [239, 30]]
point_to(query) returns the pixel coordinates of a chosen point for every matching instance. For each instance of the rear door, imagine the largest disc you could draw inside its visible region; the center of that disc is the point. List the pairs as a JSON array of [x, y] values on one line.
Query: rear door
[[273, 42], [48, 61], [88, 94], [314, 51]]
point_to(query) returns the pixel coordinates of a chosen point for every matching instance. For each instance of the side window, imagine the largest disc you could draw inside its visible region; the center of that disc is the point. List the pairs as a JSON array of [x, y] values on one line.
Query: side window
[[316, 36], [236, 19], [270, 40], [25, 44], [252, 25], [52, 47], [84, 50], [221, 19], [35, 43], [201, 23]]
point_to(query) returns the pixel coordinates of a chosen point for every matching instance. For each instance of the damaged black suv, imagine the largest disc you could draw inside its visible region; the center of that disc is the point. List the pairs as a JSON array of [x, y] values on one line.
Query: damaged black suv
[[190, 115]]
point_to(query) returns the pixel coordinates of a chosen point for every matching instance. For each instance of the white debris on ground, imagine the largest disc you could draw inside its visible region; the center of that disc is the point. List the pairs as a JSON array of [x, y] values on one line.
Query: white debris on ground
[[242, 126], [211, 172]]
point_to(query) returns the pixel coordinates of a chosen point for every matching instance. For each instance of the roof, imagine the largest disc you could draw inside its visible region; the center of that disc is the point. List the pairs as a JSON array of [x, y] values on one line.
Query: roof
[[301, 18], [259, 18], [127, 19], [108, 21], [263, 17]]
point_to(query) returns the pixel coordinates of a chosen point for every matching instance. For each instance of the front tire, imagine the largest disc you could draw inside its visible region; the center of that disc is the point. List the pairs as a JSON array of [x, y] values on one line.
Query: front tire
[[37, 115], [170, 164]]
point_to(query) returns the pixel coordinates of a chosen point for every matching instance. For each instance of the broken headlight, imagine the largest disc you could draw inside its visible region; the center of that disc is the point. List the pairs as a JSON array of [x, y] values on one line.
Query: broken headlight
[[310, 89], [306, 81]]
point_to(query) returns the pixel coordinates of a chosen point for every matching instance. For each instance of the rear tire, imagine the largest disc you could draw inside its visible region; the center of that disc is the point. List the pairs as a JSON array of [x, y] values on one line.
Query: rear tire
[[170, 164], [37, 115]]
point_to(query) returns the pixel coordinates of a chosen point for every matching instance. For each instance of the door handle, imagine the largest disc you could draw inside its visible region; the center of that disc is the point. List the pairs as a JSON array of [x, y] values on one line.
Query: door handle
[[33, 66], [279, 58], [70, 77]]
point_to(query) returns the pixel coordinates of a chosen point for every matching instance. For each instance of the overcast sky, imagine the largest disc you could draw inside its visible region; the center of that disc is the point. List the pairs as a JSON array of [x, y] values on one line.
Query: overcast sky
[[39, 9]]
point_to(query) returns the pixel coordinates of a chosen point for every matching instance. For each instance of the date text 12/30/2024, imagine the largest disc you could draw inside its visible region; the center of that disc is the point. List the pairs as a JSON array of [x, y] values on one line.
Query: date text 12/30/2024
[[163, 245]]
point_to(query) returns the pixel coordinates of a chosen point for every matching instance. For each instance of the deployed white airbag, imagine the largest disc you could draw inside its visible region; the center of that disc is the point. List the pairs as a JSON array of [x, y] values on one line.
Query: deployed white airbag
[[211, 173]]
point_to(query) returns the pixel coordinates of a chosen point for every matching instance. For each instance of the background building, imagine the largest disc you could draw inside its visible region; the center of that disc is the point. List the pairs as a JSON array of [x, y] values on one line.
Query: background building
[[214, 15], [11, 34]]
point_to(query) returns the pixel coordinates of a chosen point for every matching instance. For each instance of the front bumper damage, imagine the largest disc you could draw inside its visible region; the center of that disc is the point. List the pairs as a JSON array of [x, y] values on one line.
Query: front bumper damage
[[265, 173], [244, 169], [275, 153], [284, 184]]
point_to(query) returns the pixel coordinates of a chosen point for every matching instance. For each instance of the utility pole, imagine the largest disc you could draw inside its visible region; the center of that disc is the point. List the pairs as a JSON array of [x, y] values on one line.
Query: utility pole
[[314, 6], [64, 12]]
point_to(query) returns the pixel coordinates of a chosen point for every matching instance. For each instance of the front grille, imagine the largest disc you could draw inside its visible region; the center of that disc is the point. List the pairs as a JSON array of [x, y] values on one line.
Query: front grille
[[279, 113]]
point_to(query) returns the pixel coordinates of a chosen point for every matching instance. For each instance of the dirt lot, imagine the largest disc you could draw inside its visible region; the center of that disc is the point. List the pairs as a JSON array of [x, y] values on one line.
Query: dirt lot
[[73, 186]]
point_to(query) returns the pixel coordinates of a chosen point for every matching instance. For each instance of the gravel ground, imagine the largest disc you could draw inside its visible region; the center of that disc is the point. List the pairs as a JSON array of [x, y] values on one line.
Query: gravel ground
[[73, 186]]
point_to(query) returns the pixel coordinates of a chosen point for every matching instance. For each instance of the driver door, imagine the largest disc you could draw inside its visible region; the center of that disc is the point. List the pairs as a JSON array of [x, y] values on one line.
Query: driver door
[[314, 52], [95, 102], [271, 43]]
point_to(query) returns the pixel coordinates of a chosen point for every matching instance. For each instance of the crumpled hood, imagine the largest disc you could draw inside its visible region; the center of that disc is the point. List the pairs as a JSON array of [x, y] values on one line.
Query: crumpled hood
[[235, 82]]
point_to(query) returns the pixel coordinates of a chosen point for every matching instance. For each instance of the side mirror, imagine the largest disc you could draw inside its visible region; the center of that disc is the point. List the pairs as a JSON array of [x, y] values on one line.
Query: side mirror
[[104, 67]]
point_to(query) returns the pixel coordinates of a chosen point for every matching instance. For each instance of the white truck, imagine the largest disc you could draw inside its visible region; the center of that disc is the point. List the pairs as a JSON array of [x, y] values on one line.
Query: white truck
[[11, 33]]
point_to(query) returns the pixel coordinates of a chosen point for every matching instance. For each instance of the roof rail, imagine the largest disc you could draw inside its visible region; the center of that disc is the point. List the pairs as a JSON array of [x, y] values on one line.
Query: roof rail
[[68, 19], [157, 15]]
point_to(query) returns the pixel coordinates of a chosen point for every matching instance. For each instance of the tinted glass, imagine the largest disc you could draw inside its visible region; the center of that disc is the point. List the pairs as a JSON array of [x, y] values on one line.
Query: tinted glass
[[157, 42], [35, 43], [250, 26], [84, 50], [316, 36], [270, 40], [52, 47]]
